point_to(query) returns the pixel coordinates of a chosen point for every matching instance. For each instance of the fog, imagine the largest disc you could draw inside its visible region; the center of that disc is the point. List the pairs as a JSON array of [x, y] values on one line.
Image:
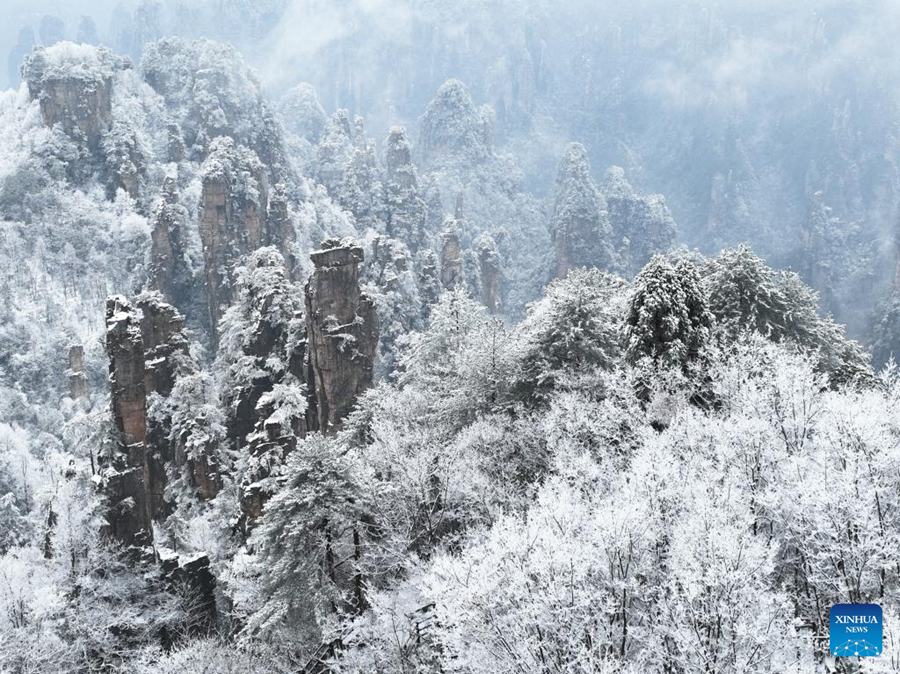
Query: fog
[[737, 112], [473, 336]]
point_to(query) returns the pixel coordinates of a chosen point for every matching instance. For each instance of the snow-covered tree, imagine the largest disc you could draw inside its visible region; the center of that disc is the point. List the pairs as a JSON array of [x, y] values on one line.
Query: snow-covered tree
[[574, 327], [668, 319]]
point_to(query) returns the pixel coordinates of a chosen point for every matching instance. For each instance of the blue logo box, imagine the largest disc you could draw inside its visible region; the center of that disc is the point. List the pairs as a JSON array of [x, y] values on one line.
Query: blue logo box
[[855, 630]]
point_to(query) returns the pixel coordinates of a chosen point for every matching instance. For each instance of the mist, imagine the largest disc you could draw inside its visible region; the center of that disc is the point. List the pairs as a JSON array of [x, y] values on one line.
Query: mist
[[473, 336]]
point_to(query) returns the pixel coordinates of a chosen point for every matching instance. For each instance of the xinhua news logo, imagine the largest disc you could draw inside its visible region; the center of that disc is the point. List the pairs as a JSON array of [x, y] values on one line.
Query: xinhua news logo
[[855, 630]]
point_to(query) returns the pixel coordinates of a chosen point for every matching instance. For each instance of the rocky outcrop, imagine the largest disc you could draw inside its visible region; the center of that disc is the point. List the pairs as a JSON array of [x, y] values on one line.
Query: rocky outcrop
[[489, 272], [211, 93], [147, 353], [193, 580], [127, 478], [342, 330], [169, 272], [453, 129], [233, 207], [73, 84], [641, 223], [75, 373], [451, 256]]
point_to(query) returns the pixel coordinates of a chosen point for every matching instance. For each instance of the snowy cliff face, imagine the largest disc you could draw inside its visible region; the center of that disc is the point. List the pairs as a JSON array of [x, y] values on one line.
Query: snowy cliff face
[[453, 128], [343, 333], [73, 84]]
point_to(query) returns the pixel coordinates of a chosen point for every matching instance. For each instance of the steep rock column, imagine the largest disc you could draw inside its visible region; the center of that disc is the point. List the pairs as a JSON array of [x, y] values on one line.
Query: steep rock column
[[128, 477], [280, 229], [165, 358], [233, 207], [169, 272], [405, 210], [579, 223], [451, 257], [73, 93], [165, 346], [148, 352], [75, 373], [342, 331], [490, 273]]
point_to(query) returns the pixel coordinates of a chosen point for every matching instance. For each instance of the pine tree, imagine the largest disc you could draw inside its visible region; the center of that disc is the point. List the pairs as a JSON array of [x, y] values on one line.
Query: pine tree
[[574, 327], [668, 320], [308, 544], [746, 294]]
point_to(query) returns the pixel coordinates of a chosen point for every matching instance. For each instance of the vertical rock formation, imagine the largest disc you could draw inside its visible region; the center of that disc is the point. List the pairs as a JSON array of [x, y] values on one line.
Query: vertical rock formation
[[280, 229], [405, 210], [147, 354], [175, 149], [342, 330], [166, 358], [641, 224], [428, 280], [165, 347], [303, 113], [262, 360], [334, 153], [579, 223], [75, 373], [128, 478], [434, 209], [453, 129], [73, 84], [169, 272], [490, 272], [233, 208], [451, 256]]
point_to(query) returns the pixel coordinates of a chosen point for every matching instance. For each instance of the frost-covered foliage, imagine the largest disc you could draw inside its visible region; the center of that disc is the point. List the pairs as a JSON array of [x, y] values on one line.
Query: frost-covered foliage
[[668, 318], [678, 471], [389, 277], [210, 92], [69, 60], [574, 327], [746, 294]]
